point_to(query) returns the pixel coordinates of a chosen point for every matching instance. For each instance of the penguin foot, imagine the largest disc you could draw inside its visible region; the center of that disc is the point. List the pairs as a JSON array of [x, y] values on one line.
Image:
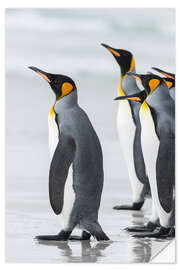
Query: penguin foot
[[160, 232], [85, 236], [62, 236], [172, 232], [134, 206], [149, 227], [100, 236]]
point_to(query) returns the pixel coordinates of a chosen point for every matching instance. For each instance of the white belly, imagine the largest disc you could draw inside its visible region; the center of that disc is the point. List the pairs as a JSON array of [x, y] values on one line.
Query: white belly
[[126, 131], [69, 194], [150, 148], [53, 135]]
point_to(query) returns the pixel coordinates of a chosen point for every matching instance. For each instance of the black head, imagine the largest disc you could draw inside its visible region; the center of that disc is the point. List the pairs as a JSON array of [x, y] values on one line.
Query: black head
[[166, 74], [149, 81], [60, 84], [124, 58]]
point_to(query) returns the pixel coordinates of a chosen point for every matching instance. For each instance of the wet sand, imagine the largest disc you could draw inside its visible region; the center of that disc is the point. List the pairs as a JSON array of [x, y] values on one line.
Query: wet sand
[[29, 214]]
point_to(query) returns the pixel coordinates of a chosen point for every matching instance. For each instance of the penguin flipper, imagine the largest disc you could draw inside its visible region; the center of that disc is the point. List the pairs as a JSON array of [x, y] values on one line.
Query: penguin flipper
[[165, 168], [60, 164]]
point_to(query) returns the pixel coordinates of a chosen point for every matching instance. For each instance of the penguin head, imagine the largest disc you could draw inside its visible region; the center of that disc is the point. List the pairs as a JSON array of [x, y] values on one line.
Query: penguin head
[[60, 84], [149, 81], [124, 58], [139, 97], [169, 77], [166, 74]]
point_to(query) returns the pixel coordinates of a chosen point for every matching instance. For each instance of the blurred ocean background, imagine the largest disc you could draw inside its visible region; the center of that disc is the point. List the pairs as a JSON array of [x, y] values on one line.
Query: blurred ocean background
[[67, 41]]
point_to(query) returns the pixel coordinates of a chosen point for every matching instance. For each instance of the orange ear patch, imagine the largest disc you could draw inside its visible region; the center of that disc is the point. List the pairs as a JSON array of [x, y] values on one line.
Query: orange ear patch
[[169, 84], [66, 89], [44, 76], [153, 84], [137, 78], [114, 52]]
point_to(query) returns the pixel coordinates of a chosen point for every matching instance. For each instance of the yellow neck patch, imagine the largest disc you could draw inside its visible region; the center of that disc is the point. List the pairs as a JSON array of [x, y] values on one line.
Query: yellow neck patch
[[169, 84], [132, 64], [144, 106], [153, 84], [120, 90], [52, 112]]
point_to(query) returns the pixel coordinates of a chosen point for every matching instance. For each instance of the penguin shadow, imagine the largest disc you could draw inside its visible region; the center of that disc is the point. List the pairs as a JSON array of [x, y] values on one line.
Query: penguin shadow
[[90, 252]]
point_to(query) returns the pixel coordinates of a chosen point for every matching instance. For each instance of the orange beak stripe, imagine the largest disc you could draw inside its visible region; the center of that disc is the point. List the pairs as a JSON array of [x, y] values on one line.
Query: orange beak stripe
[[44, 76], [114, 52], [137, 78], [167, 75], [134, 98]]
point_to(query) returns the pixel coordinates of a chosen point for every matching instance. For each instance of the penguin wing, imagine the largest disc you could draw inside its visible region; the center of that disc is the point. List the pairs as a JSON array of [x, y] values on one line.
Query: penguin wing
[[165, 171], [61, 161]]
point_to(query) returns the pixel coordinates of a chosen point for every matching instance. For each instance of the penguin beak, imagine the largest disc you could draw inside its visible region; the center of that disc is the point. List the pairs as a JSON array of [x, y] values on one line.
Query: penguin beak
[[128, 98], [140, 97], [43, 74], [112, 50], [167, 74], [135, 76]]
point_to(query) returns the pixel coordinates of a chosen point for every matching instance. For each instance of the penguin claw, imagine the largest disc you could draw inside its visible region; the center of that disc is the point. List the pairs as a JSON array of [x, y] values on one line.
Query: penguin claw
[[161, 232], [149, 227], [134, 206]]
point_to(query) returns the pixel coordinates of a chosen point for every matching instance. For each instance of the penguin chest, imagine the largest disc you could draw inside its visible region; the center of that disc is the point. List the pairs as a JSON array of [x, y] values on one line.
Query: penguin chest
[[125, 125], [149, 139], [53, 133], [150, 148]]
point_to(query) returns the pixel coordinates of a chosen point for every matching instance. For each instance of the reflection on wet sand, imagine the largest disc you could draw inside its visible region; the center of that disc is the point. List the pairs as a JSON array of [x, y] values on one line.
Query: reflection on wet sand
[[90, 252], [142, 250]]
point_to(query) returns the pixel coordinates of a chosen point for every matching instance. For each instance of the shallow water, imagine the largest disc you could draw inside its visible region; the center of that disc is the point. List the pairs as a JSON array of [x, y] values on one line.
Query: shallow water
[[68, 42]]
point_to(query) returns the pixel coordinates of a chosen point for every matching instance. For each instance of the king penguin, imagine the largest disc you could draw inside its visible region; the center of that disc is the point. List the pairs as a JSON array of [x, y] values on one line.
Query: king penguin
[[169, 80], [74, 141], [129, 131], [158, 126]]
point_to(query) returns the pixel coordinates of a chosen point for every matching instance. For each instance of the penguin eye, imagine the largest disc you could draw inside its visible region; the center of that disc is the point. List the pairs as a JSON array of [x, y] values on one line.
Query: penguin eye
[[56, 81]]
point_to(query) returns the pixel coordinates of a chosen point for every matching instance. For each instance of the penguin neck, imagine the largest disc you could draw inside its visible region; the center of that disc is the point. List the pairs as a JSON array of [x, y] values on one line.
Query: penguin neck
[[67, 102], [127, 84], [158, 96]]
